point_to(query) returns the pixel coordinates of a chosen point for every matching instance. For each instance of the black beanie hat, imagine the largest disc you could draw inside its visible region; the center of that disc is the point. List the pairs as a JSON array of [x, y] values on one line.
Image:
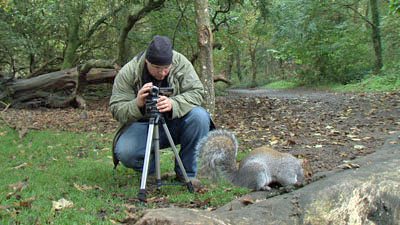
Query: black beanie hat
[[159, 51]]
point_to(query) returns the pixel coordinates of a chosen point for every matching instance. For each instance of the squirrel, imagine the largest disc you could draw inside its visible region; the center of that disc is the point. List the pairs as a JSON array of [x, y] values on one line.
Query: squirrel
[[261, 167]]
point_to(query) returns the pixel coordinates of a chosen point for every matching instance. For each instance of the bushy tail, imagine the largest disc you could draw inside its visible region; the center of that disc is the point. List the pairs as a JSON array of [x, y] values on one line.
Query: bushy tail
[[217, 155]]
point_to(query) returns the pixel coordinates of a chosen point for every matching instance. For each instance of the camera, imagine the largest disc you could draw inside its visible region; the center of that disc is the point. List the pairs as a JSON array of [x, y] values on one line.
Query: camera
[[154, 95]]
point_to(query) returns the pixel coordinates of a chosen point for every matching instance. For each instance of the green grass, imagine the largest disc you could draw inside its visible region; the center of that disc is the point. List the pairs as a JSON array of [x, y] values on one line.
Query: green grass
[[281, 84], [374, 83], [78, 168]]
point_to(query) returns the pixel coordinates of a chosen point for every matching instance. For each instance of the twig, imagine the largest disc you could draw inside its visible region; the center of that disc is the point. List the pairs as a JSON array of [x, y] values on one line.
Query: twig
[[7, 106], [3, 111]]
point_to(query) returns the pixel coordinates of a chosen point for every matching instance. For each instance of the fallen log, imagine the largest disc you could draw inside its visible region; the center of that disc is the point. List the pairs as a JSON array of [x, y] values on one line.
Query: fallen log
[[61, 88], [57, 89]]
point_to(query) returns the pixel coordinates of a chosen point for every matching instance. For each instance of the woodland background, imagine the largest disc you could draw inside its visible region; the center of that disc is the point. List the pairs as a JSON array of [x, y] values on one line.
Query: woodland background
[[57, 54], [254, 42]]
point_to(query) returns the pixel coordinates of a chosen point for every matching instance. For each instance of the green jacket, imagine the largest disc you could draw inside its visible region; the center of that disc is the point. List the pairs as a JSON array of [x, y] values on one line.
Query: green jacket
[[188, 91]]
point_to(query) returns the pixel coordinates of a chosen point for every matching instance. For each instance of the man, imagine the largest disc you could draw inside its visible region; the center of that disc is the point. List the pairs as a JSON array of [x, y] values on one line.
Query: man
[[160, 66]]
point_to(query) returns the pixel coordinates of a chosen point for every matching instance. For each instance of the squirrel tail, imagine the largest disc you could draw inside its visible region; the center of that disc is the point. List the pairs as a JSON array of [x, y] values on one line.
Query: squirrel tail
[[217, 155]]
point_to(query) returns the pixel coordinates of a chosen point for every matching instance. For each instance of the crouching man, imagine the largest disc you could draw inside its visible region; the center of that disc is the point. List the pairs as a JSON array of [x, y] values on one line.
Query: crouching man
[[159, 65]]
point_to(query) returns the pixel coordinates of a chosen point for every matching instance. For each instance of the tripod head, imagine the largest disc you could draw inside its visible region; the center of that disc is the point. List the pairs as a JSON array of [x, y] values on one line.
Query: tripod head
[[151, 100]]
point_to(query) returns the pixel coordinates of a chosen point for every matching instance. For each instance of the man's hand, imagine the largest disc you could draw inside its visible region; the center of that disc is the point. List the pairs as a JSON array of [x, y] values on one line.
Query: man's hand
[[164, 104], [142, 94]]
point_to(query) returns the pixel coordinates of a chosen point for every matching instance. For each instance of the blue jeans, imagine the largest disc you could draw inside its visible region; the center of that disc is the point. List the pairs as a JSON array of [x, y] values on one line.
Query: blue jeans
[[186, 131]]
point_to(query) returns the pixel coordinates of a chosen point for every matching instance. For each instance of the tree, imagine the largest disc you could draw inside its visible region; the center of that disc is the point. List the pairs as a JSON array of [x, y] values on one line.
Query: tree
[[74, 40], [323, 39], [131, 21], [205, 56], [376, 35]]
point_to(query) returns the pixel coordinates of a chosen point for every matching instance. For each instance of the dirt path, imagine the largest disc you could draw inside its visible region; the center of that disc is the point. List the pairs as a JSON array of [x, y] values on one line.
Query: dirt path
[[329, 128], [283, 93]]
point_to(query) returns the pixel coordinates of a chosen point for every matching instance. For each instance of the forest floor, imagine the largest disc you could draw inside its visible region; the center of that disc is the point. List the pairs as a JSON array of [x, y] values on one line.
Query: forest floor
[[328, 128]]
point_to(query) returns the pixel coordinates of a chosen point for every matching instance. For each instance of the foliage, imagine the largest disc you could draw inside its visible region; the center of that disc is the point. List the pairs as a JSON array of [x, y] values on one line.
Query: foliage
[[331, 44], [373, 84], [395, 6], [311, 41], [391, 40], [51, 29], [28, 31], [46, 166]]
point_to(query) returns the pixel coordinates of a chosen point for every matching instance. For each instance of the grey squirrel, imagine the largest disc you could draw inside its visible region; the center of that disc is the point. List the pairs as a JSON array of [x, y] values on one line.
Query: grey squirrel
[[261, 167]]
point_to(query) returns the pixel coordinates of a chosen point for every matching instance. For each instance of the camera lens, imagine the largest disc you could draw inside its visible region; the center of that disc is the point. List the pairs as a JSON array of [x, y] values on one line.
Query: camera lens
[[154, 91]]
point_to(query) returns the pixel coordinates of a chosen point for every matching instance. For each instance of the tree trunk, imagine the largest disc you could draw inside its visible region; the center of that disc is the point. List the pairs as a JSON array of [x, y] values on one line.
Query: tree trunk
[[238, 65], [72, 45], [205, 57], [231, 60], [75, 41], [253, 52], [123, 56], [376, 35], [254, 69]]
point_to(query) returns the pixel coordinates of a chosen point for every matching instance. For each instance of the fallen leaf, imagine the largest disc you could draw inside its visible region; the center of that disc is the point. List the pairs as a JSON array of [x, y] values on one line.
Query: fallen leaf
[[349, 166], [9, 195], [291, 142], [19, 186], [228, 189], [359, 147], [62, 204], [99, 188], [274, 142], [356, 139], [77, 187], [4, 207], [27, 203]]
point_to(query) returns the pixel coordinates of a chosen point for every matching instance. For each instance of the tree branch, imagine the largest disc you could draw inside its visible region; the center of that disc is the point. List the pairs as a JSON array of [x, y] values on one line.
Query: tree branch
[[102, 20], [216, 25], [359, 14]]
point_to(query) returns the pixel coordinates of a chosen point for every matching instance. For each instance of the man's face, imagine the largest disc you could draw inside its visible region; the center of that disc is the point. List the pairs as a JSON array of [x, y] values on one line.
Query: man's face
[[158, 72]]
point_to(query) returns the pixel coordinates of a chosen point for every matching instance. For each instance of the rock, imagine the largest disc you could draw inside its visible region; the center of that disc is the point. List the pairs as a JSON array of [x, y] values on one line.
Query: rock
[[369, 194]]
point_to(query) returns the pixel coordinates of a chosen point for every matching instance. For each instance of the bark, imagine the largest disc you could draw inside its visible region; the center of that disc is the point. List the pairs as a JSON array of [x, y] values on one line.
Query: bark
[[56, 89], [376, 35], [205, 58], [253, 52], [72, 44], [238, 65]]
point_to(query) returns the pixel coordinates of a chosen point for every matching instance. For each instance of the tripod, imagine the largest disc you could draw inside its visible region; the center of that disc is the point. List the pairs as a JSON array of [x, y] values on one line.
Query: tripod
[[153, 135]]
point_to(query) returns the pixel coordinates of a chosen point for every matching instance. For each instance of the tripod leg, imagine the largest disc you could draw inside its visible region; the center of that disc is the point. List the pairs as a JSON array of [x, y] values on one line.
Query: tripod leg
[[177, 157], [157, 154], [142, 191]]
